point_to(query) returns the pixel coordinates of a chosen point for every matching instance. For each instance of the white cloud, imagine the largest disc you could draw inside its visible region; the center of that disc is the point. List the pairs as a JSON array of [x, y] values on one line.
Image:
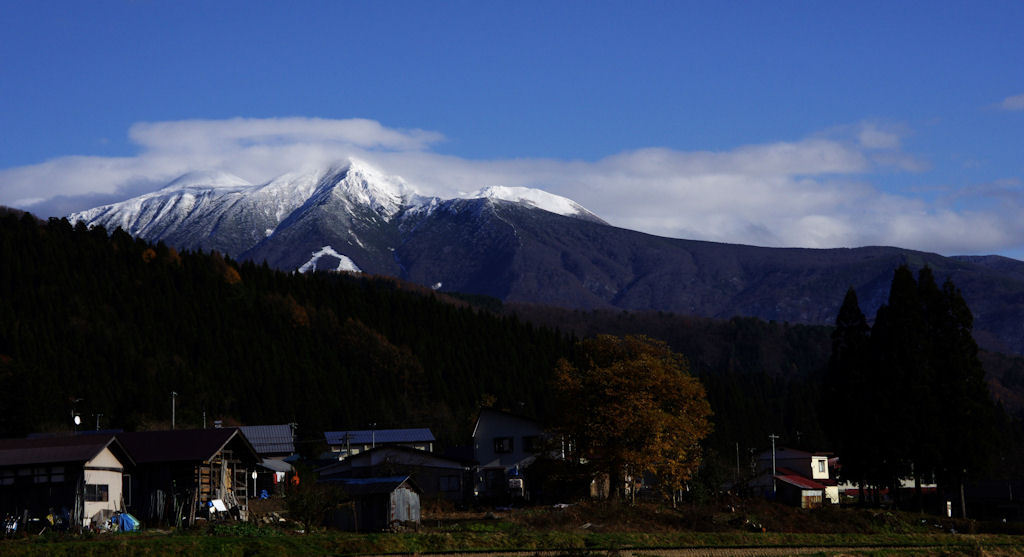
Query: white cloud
[[808, 193], [1016, 102]]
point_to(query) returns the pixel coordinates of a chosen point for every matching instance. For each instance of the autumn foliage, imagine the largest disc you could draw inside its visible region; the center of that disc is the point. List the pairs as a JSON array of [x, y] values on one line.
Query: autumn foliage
[[630, 407]]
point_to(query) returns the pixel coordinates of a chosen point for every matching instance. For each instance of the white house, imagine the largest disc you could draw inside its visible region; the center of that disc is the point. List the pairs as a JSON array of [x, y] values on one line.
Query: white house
[[504, 444], [80, 474]]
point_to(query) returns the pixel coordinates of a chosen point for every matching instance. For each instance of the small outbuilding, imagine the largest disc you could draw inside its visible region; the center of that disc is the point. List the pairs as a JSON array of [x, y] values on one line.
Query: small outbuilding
[[377, 504]]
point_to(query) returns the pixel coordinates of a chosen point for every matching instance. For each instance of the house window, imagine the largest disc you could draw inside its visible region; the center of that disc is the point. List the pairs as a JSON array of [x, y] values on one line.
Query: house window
[[821, 466], [450, 483], [97, 492], [502, 444]]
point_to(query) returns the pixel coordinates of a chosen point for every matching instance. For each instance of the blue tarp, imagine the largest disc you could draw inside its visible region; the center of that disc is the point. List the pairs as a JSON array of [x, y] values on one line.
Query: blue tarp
[[125, 522]]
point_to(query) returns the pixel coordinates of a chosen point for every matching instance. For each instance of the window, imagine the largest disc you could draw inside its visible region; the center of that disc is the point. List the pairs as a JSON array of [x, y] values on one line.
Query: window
[[97, 492], [821, 465], [450, 483], [502, 444]]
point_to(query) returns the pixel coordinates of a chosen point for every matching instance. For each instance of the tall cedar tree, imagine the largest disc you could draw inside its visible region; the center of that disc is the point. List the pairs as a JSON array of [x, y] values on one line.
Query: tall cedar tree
[[910, 400], [849, 389], [631, 407]]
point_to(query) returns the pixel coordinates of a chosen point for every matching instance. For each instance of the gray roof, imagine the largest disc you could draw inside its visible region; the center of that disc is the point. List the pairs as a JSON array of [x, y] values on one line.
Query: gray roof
[[383, 436], [270, 439]]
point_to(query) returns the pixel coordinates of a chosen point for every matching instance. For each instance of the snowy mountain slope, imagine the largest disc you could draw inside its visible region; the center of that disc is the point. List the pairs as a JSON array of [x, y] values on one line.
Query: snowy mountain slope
[[357, 209]]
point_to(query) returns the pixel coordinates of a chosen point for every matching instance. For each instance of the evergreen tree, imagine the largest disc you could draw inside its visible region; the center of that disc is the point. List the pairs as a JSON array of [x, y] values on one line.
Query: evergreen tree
[[849, 392]]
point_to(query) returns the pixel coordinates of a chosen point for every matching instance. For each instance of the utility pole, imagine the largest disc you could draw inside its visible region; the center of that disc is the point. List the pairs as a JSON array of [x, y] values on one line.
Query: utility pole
[[773, 438], [174, 395], [737, 478]]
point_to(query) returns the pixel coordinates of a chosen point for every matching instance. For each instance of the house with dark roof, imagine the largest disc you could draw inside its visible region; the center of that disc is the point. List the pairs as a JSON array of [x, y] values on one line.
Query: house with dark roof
[[179, 473], [345, 443], [437, 476], [78, 476]]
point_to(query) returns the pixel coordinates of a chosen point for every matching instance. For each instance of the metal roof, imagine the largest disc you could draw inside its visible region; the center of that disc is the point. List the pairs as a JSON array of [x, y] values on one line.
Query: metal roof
[[270, 439], [48, 450], [383, 436]]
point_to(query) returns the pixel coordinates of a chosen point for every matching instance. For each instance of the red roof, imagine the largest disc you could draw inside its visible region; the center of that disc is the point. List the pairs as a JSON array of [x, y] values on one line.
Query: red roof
[[800, 481]]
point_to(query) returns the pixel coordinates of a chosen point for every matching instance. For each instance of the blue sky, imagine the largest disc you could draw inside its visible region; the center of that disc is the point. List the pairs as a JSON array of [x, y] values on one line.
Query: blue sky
[[817, 124]]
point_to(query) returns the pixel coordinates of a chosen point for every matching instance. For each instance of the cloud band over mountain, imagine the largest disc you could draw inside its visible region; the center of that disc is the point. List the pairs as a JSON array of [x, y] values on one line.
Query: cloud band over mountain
[[820, 191]]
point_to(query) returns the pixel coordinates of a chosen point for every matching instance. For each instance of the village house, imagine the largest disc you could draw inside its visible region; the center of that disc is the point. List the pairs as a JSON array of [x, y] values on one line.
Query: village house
[[800, 478], [275, 445], [191, 470], [77, 477], [504, 444]]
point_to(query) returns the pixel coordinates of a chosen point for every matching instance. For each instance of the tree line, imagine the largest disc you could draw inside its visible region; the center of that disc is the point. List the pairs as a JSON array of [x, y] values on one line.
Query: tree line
[[906, 396]]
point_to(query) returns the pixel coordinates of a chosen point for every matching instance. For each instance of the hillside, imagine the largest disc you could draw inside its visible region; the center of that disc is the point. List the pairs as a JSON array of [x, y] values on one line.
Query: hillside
[[121, 323]]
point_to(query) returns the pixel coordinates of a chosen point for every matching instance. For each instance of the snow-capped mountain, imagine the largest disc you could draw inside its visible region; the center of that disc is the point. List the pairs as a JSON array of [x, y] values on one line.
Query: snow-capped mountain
[[351, 210], [527, 245]]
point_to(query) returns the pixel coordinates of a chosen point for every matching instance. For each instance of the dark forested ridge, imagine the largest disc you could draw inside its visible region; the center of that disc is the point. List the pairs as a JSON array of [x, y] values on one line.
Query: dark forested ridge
[[121, 324]]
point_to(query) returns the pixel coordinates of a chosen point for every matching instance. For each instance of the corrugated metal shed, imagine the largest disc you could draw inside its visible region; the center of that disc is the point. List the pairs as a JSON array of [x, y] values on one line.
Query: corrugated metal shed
[[369, 436], [270, 439]]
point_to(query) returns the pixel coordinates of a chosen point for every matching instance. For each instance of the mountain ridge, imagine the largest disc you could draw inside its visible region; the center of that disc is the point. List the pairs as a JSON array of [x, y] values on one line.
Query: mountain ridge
[[507, 244]]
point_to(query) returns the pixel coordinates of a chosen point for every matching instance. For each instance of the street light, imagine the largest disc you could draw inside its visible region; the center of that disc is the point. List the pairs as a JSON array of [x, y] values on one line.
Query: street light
[[75, 418]]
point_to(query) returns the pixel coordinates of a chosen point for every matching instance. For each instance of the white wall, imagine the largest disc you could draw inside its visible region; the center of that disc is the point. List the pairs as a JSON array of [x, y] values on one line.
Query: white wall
[[111, 478]]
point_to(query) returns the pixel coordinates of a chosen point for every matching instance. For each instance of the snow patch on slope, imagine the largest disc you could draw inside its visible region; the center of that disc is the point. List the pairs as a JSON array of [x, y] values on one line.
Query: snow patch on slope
[[534, 197], [344, 263]]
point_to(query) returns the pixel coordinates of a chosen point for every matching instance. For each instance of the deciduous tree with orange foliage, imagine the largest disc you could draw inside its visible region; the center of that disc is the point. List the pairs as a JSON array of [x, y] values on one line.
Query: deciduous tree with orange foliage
[[629, 407]]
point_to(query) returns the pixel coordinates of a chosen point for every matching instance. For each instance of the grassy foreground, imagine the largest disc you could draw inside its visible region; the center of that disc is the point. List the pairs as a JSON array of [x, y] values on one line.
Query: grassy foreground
[[580, 530]]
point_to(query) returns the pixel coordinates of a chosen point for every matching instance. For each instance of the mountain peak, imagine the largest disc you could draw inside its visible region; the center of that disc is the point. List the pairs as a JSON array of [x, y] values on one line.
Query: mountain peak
[[366, 185]]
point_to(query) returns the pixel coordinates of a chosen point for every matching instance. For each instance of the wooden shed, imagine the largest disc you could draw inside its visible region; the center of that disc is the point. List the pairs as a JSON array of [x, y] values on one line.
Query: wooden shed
[[179, 472]]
